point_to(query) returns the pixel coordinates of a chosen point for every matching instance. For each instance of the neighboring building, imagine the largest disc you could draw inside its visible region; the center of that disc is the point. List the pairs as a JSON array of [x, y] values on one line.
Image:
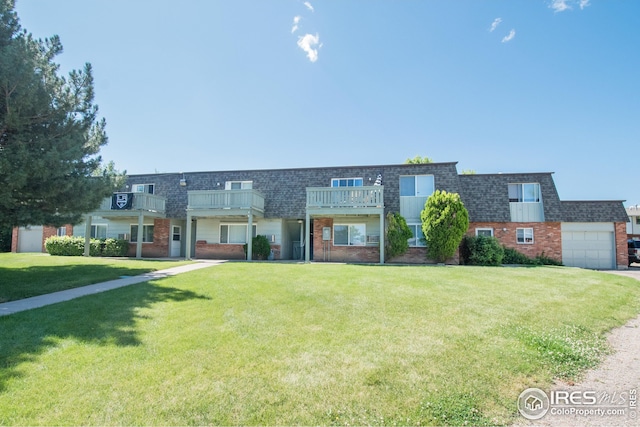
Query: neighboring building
[[633, 226], [338, 214]]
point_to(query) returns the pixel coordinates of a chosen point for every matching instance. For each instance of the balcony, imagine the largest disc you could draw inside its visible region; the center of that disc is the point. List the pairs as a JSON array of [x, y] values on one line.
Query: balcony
[[148, 203], [225, 202], [345, 200], [526, 211]]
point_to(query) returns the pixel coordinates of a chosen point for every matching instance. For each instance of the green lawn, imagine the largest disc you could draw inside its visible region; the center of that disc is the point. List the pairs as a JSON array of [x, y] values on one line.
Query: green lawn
[[284, 344], [29, 275]]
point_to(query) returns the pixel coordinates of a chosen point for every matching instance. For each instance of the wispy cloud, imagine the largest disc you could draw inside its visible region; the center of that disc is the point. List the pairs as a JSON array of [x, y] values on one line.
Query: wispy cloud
[[309, 6], [509, 36], [562, 5], [495, 24], [310, 44], [296, 21]]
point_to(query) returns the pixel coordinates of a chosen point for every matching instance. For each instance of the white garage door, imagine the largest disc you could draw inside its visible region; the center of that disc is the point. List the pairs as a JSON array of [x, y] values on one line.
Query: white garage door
[[588, 245], [30, 239]]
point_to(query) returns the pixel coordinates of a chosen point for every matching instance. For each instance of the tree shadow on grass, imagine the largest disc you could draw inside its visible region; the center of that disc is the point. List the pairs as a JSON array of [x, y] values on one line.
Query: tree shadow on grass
[[19, 283], [107, 319]]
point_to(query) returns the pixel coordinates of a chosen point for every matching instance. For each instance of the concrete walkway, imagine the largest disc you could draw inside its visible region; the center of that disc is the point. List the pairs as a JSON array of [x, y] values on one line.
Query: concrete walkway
[[69, 294]]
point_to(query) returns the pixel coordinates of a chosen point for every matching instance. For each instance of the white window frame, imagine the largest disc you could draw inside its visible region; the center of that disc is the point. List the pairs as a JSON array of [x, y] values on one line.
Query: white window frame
[[521, 196], [418, 191], [244, 185], [524, 236], [94, 231], [481, 229], [133, 237], [61, 231], [417, 241], [350, 234], [232, 224], [143, 188], [346, 182]]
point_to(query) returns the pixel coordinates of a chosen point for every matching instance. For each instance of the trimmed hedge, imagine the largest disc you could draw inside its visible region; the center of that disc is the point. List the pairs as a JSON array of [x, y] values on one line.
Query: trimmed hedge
[[74, 246]]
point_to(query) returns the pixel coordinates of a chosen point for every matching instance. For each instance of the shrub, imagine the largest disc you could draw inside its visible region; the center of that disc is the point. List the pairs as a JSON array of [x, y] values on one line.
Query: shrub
[[481, 250], [74, 246], [445, 220], [511, 256], [115, 247], [398, 235], [260, 247]]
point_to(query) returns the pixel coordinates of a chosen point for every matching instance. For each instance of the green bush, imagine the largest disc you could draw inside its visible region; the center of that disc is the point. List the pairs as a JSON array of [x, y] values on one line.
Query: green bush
[[398, 235], [260, 247], [74, 246], [445, 220], [512, 256], [481, 250]]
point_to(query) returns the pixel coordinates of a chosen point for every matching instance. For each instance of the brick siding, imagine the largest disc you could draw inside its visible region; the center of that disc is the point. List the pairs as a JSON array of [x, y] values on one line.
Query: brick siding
[[547, 237], [622, 254], [160, 246]]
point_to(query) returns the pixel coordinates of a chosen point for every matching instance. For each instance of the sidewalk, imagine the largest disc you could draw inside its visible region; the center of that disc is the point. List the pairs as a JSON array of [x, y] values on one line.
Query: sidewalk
[[69, 294]]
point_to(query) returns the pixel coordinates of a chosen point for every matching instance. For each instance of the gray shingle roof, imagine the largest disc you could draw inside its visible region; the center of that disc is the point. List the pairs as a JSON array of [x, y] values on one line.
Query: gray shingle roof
[[594, 211]]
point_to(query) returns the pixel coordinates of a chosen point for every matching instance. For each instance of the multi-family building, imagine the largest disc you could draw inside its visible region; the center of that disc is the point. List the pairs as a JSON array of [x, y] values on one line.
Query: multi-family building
[[338, 214]]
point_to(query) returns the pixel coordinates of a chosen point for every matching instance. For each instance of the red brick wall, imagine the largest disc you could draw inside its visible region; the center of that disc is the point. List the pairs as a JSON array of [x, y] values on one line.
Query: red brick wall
[[622, 254], [547, 237], [48, 231], [160, 246], [339, 253], [419, 256], [218, 251]]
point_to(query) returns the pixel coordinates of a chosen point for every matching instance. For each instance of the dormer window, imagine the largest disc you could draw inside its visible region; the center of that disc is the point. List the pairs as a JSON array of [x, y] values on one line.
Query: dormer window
[[527, 193]]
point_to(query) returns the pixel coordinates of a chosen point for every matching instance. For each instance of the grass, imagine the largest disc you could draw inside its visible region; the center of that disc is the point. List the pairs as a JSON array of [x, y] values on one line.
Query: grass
[[284, 344], [29, 275]]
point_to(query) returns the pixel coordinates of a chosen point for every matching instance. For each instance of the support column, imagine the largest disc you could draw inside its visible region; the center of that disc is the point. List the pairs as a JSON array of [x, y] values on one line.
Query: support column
[[382, 233], [87, 235], [140, 235], [250, 237], [301, 240], [307, 237], [187, 249]]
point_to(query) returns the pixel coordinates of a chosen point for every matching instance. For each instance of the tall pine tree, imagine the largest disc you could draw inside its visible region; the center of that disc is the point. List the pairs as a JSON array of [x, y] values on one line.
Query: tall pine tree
[[50, 135]]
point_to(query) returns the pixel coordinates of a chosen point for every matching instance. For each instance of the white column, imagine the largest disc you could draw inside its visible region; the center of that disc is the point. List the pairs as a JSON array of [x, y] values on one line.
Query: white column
[[301, 239], [187, 250], [140, 234], [382, 237], [250, 237], [87, 235], [308, 238]]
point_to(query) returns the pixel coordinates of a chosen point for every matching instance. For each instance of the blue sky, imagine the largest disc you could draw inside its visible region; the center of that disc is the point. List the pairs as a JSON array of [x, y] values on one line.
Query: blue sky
[[496, 85]]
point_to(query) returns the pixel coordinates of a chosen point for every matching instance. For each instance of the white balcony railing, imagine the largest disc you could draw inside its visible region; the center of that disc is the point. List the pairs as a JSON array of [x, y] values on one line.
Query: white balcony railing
[[226, 199], [526, 211], [141, 201], [330, 197]]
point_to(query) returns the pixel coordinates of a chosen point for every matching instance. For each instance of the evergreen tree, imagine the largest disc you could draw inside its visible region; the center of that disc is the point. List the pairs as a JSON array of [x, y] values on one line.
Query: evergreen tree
[[50, 135], [444, 222]]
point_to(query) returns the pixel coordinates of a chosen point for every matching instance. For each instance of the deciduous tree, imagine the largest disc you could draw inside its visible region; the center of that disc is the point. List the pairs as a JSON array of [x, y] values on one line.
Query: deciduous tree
[[444, 223]]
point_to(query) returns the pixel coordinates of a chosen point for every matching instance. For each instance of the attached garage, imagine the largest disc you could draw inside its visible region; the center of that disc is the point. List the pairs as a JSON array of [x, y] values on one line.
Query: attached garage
[[589, 245], [30, 239]]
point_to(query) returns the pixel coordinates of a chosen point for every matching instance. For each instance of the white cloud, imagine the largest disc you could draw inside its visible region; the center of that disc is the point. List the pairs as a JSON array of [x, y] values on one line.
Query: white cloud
[[296, 21], [495, 24], [562, 5], [308, 6], [509, 36], [308, 43]]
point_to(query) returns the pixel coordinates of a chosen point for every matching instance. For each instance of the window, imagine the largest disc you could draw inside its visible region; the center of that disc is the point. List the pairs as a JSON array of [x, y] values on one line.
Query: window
[[528, 193], [416, 185], [175, 235], [238, 185], [638, 220], [346, 182], [99, 231], [524, 235], [349, 235], [484, 232], [143, 188], [61, 231], [235, 233], [147, 234], [417, 241]]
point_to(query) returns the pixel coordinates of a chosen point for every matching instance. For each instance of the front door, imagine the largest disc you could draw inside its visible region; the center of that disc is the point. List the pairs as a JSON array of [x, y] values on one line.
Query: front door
[[176, 240]]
